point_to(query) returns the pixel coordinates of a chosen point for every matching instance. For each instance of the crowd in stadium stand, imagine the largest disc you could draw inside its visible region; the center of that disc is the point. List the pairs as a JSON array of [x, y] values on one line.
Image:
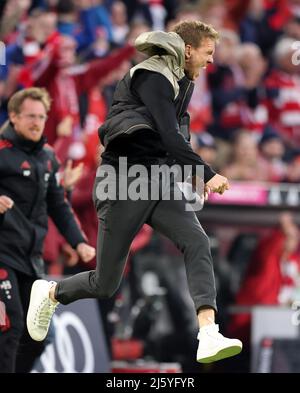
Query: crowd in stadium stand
[[245, 111]]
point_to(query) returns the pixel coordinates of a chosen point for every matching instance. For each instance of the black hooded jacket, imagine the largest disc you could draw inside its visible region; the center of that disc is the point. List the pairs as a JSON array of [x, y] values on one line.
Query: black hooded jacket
[[145, 123]]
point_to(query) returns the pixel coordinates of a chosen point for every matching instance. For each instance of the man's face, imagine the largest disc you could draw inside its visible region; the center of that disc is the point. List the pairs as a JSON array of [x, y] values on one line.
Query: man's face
[[30, 121], [197, 58], [67, 52]]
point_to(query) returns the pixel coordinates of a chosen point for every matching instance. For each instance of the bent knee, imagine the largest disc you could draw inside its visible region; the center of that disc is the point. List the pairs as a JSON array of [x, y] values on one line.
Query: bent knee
[[199, 240]]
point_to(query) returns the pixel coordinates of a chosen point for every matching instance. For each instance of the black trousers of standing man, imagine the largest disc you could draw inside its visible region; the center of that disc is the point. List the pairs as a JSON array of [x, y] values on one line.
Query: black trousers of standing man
[[119, 222], [18, 351]]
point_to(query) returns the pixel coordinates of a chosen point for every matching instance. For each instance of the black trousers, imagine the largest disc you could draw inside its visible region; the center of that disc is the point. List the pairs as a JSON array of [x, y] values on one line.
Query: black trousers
[[119, 222], [18, 351]]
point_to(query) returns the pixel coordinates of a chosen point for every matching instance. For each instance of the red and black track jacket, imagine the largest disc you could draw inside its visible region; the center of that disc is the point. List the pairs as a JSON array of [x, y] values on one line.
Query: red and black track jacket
[[29, 176]]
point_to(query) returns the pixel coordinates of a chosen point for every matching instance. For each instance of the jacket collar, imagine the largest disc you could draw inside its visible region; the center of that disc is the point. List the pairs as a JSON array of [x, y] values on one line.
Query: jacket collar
[[21, 143]]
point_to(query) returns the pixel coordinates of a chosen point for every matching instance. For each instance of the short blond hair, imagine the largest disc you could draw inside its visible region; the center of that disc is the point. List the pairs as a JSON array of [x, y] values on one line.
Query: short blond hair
[[34, 93], [193, 32]]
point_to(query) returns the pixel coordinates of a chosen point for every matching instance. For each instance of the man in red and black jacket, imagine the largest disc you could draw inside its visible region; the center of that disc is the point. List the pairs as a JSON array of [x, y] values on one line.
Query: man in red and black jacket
[[29, 192]]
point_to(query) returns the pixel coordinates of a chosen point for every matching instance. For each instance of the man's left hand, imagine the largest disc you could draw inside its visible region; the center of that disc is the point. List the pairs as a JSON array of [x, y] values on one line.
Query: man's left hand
[[85, 252]]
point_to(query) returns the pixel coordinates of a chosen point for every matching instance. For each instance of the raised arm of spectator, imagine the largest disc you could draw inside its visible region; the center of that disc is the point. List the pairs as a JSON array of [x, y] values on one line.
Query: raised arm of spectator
[[98, 69], [13, 12], [42, 71]]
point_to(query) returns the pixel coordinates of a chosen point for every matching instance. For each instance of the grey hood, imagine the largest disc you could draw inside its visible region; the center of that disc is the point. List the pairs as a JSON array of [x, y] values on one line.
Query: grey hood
[[152, 42], [166, 53]]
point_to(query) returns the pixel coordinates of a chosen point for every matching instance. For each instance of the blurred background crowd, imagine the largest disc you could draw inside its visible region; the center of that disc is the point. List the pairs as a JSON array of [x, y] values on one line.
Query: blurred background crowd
[[245, 122]]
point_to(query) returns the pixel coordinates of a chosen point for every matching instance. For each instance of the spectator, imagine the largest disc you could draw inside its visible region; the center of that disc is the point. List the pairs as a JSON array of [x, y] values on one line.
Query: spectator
[[224, 14], [120, 26], [66, 83], [272, 149], [14, 12], [283, 93], [264, 22], [273, 274], [253, 65], [226, 85], [247, 164], [235, 80], [205, 147]]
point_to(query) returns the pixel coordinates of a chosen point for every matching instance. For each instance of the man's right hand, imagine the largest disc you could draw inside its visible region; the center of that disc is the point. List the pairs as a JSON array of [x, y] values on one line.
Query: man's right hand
[[218, 184], [71, 175], [5, 204], [85, 251]]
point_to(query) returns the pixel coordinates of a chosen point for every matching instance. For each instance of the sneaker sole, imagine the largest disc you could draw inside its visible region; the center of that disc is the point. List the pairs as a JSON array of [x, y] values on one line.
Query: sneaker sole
[[222, 354], [32, 295]]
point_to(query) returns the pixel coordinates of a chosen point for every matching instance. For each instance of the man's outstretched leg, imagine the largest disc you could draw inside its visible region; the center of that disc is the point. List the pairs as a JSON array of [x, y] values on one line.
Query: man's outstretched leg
[[182, 227]]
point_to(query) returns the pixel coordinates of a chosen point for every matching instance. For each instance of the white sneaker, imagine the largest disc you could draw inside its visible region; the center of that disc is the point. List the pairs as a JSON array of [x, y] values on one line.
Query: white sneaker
[[214, 346], [41, 309]]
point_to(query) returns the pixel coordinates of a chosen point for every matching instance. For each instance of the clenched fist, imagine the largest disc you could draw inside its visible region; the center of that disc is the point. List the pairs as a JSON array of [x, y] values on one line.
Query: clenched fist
[[85, 252], [218, 184], [5, 204]]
